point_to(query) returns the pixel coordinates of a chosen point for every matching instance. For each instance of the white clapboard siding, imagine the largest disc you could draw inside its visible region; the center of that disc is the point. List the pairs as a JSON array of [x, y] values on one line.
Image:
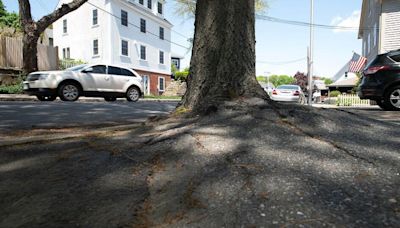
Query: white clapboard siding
[[390, 25]]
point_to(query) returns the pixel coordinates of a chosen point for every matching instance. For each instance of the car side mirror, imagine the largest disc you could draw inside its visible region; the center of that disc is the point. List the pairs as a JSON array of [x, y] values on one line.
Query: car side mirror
[[88, 70]]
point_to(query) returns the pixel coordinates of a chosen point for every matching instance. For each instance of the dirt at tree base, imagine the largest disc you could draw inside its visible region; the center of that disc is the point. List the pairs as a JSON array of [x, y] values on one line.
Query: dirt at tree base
[[246, 164]]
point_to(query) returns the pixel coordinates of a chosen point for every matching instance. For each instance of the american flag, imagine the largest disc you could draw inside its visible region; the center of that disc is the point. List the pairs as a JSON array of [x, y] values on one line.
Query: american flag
[[357, 63]]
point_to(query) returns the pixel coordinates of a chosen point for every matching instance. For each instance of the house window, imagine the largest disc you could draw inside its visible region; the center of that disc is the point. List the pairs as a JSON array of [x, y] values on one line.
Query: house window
[[159, 8], [51, 42], [161, 33], [124, 48], [94, 19], [141, 2], [149, 4], [161, 84], [66, 53], [142, 52], [65, 28], [95, 47], [161, 57], [142, 25], [124, 18], [176, 62]]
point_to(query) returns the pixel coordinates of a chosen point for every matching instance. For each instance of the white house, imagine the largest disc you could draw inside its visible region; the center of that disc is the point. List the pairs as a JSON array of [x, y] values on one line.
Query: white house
[[131, 33], [379, 27]]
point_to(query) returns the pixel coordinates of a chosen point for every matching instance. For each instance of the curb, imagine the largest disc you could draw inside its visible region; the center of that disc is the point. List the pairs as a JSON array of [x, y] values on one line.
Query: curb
[[46, 138], [4, 97]]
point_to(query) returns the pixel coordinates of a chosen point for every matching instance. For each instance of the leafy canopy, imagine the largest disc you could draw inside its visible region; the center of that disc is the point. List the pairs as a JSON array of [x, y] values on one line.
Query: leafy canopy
[[8, 19], [277, 80]]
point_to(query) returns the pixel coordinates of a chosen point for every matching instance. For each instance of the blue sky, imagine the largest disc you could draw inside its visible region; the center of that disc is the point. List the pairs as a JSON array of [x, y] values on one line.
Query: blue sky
[[277, 43]]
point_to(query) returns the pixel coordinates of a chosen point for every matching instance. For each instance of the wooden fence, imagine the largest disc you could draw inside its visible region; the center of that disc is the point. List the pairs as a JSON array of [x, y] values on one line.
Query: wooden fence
[[11, 55], [352, 100]]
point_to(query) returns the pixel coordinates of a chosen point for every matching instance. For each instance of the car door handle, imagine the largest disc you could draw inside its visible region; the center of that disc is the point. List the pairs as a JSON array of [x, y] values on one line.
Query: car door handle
[[107, 78], [127, 79]]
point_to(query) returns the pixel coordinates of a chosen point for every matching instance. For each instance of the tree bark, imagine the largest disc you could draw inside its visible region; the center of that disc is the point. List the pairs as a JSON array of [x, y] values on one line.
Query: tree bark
[[223, 58], [32, 30]]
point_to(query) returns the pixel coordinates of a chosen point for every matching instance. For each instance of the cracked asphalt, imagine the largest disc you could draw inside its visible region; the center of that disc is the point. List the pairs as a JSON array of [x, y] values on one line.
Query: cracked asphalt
[[246, 165]]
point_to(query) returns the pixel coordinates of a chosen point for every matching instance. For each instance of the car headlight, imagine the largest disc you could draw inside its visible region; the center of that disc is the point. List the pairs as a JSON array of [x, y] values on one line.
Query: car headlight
[[43, 76]]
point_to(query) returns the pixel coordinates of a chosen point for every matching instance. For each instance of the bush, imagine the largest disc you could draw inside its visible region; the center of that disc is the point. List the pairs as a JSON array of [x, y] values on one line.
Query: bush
[[67, 63], [14, 86], [181, 75], [334, 93], [11, 89]]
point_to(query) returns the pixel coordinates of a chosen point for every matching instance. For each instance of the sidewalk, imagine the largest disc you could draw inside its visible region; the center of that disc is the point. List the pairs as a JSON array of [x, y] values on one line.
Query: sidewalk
[[24, 97]]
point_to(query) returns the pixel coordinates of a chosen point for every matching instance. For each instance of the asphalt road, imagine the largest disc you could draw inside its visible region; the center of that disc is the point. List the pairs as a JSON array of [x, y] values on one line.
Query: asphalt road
[[31, 115], [376, 114]]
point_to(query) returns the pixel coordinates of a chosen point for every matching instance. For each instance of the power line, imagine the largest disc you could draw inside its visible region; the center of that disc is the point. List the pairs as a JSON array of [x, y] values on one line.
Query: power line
[[135, 25], [306, 24], [282, 62]]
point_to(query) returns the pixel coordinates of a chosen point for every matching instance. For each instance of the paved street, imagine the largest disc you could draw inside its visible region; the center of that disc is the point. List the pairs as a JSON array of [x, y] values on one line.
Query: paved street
[[31, 115], [377, 114]]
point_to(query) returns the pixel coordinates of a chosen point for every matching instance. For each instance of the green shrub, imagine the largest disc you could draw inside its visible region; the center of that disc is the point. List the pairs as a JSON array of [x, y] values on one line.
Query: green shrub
[[67, 63], [14, 88], [11, 89], [334, 93], [181, 75]]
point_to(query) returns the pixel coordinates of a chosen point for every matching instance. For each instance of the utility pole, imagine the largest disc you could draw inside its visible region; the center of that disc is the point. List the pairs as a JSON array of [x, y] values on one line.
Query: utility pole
[[311, 57]]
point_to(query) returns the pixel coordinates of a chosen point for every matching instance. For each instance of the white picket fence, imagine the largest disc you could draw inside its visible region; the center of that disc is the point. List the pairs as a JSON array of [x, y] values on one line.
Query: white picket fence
[[352, 100]]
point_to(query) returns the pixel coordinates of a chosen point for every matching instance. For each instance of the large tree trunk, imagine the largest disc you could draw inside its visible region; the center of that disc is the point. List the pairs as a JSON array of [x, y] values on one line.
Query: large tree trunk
[[32, 29], [223, 58]]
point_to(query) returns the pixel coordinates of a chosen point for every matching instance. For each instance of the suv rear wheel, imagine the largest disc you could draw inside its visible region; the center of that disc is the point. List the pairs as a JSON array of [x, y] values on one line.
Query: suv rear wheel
[[69, 91], [133, 94], [392, 98]]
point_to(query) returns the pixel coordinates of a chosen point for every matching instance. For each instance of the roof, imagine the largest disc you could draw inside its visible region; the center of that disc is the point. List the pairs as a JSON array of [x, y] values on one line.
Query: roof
[[177, 56], [341, 72], [350, 82]]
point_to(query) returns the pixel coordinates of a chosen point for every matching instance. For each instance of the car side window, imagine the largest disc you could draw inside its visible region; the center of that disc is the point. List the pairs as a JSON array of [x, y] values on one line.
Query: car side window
[[396, 57], [114, 70], [99, 69], [127, 72]]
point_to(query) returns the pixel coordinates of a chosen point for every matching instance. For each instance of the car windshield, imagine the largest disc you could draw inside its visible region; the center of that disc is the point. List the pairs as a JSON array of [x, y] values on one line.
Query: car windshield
[[76, 68], [289, 87]]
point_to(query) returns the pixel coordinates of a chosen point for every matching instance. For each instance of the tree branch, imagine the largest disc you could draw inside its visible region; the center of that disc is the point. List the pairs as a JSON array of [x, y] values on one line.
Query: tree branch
[[47, 20]]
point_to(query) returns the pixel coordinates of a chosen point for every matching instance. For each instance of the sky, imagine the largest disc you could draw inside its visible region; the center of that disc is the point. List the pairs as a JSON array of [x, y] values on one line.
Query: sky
[[280, 48]]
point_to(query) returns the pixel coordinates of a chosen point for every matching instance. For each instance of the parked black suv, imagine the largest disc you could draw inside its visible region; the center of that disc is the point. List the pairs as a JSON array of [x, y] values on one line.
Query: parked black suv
[[381, 81]]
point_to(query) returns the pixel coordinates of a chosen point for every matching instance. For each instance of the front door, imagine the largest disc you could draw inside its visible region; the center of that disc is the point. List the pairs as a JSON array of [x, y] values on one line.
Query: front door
[[96, 79], [146, 84]]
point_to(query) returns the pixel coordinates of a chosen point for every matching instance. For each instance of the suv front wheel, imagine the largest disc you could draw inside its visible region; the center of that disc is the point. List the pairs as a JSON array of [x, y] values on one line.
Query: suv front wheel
[[392, 98], [133, 94], [69, 92]]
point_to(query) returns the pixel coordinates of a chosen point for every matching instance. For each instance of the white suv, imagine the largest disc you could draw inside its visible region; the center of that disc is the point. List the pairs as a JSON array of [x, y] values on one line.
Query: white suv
[[96, 80]]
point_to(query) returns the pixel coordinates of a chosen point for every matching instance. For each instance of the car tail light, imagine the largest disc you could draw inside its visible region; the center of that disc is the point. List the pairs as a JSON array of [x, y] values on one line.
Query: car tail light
[[274, 92], [296, 93], [374, 69]]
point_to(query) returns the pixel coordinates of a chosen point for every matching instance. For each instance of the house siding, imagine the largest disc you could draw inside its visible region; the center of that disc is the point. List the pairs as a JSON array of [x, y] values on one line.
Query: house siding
[[371, 23], [390, 25], [154, 90]]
